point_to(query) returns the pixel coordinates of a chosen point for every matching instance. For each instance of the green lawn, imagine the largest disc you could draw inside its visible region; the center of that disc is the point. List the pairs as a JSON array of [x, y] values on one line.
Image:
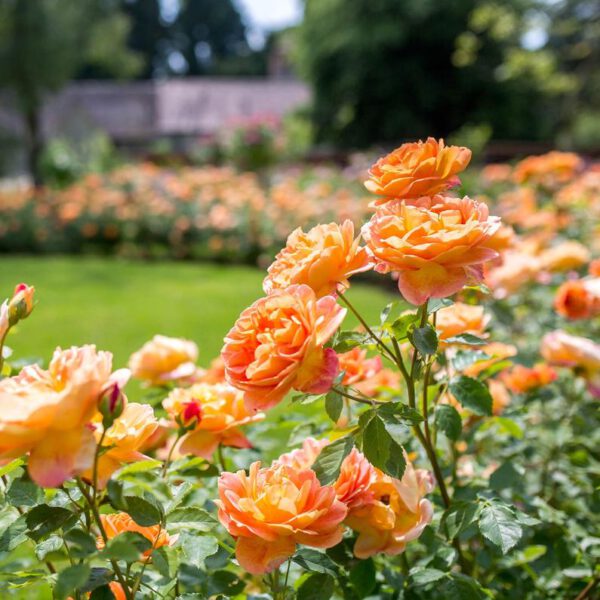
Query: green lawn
[[118, 304]]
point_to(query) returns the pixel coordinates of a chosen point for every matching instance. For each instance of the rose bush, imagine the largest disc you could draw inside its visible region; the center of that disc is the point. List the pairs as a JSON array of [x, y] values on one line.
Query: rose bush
[[449, 450]]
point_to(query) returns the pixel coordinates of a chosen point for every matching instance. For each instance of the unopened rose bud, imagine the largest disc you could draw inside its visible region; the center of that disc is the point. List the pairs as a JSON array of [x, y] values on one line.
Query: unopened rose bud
[[21, 304], [191, 415], [111, 404]]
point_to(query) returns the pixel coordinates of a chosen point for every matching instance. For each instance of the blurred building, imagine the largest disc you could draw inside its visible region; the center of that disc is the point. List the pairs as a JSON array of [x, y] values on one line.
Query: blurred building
[[136, 113]]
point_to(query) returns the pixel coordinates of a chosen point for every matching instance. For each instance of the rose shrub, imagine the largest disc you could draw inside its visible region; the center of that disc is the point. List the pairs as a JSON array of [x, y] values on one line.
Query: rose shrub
[[449, 450]]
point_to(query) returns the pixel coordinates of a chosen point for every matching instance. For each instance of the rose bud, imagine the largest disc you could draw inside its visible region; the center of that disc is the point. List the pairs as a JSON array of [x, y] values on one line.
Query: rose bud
[[191, 415], [21, 304], [111, 404]]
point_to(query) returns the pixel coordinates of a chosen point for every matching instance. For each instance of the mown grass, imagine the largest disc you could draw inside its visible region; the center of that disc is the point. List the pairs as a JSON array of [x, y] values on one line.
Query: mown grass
[[118, 304]]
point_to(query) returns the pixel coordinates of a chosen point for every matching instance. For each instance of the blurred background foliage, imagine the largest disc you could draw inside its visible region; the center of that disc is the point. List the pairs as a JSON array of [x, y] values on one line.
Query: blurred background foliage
[[379, 71]]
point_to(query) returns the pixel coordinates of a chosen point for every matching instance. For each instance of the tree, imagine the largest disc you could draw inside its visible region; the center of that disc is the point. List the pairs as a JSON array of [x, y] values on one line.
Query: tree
[[43, 44], [384, 70], [210, 33]]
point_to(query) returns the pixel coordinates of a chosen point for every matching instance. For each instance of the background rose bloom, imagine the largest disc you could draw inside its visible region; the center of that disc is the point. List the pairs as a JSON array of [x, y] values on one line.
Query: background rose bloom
[[565, 256], [277, 345], [357, 366], [385, 378], [435, 246], [222, 412], [461, 318], [324, 258], [521, 379], [396, 513], [124, 440], [517, 270], [117, 523], [548, 169], [270, 510], [417, 169], [46, 412], [578, 299], [164, 359]]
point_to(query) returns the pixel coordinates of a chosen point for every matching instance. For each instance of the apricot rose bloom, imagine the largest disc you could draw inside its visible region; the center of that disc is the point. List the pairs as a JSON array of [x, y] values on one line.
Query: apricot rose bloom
[[357, 366], [276, 345], [117, 523], [124, 440], [164, 359], [417, 169], [565, 256], [578, 299], [460, 318], [435, 246], [271, 510], [521, 379], [563, 349], [220, 413], [396, 513], [548, 169], [304, 457], [47, 413], [324, 258]]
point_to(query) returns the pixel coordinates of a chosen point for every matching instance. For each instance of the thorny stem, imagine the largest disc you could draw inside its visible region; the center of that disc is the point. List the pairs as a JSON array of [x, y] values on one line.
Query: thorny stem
[[138, 579], [221, 458], [167, 462], [345, 394], [585, 592]]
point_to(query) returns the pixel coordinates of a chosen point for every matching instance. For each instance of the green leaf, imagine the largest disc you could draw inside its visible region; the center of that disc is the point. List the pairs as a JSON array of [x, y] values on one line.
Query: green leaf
[[472, 394], [139, 467], [505, 476], [397, 411], [315, 561], [142, 511], [362, 577], [402, 325], [81, 543], [162, 562], [11, 466], [467, 339], [459, 516], [334, 405], [197, 548], [328, 464], [346, 340], [191, 517], [13, 535], [461, 587], [70, 580], [424, 339], [318, 586], [421, 576], [465, 358], [448, 421], [51, 544], [44, 519], [224, 582], [499, 525], [127, 546], [434, 304], [23, 492], [375, 439]]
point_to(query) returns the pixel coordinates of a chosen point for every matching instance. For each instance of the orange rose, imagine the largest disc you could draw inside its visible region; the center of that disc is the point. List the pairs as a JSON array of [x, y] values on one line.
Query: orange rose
[[270, 510], [496, 173], [46, 412], [565, 257], [124, 440], [164, 359], [594, 268], [500, 396], [385, 378], [357, 367], [395, 514], [460, 318], [117, 523], [215, 372], [354, 485], [517, 270], [220, 413], [496, 351], [578, 299], [324, 258], [436, 246], [521, 379], [548, 169], [417, 169], [277, 345]]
